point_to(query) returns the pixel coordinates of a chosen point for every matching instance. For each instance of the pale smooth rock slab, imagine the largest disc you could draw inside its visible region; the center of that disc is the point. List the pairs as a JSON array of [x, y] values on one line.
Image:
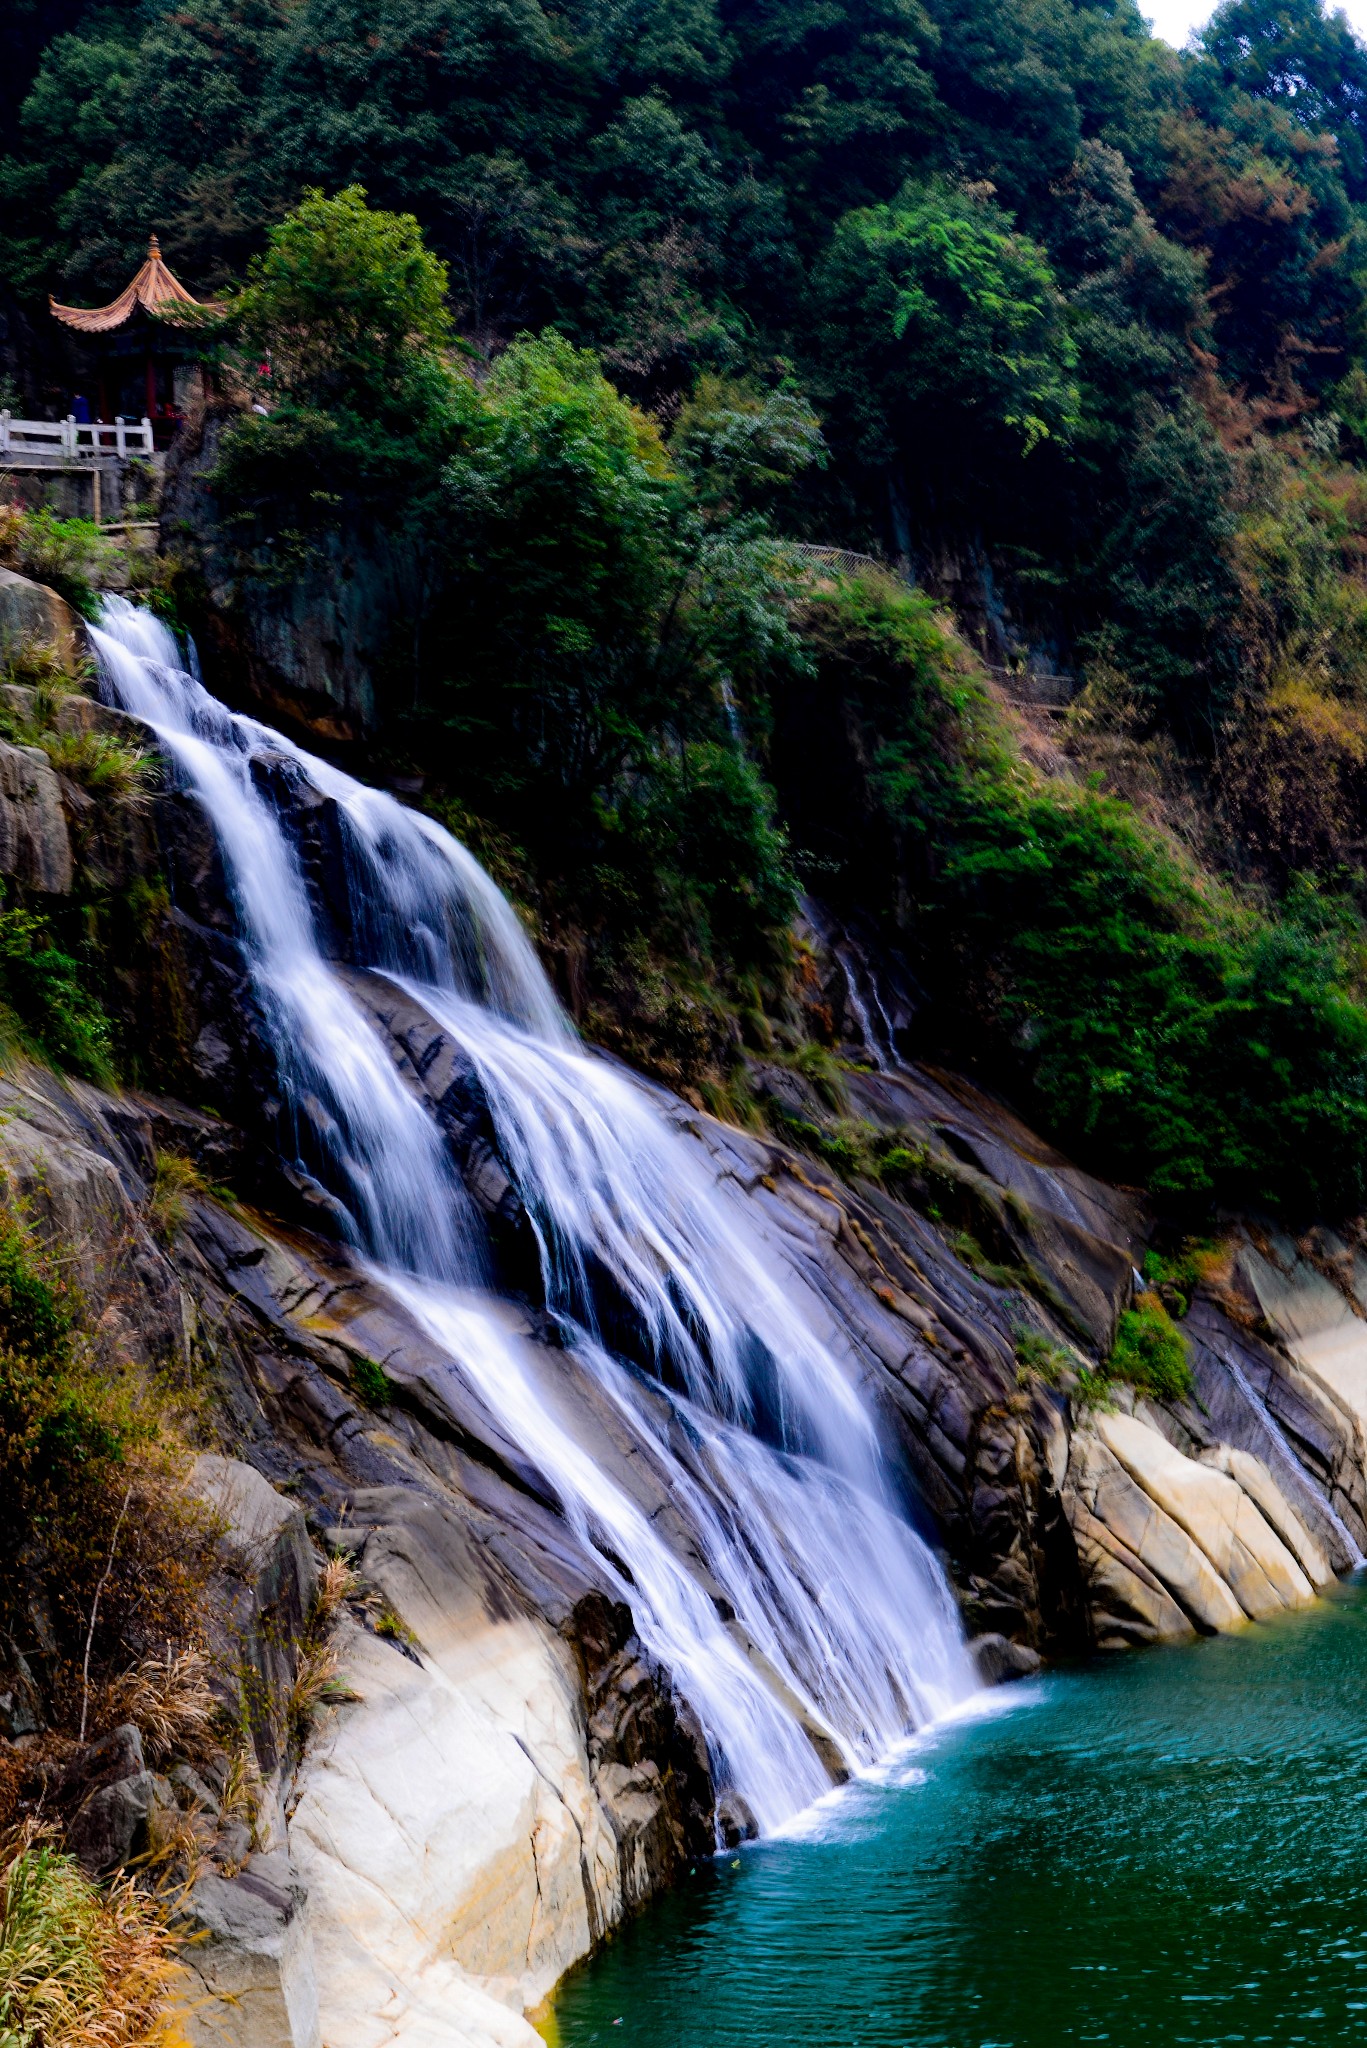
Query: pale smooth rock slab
[[1127, 1509], [447, 1832], [1259, 1483], [1129, 1604], [1251, 1560], [1320, 1329]]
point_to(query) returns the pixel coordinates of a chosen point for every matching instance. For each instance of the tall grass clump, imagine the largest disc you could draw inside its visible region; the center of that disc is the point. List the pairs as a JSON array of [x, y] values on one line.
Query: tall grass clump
[[95, 1518], [105, 763], [79, 1968]]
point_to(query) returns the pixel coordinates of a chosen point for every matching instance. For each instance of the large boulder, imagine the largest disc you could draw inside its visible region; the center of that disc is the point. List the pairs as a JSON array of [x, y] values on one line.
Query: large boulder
[[35, 846], [30, 612], [112, 1800]]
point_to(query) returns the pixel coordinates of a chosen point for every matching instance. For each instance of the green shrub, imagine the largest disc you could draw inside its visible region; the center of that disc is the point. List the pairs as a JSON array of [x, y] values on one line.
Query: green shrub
[[69, 555], [37, 1308], [1150, 1353], [44, 990], [1197, 1260], [1181, 1038], [371, 1382], [1040, 1355]]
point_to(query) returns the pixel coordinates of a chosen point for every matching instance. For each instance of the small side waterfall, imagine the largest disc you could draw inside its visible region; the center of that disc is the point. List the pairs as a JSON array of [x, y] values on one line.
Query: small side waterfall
[[1287, 1458], [785, 1590]]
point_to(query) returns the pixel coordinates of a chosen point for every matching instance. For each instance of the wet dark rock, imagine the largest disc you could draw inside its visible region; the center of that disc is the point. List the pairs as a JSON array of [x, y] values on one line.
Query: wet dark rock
[[111, 1798], [318, 829], [999, 1660], [646, 1749], [303, 649], [735, 1822]]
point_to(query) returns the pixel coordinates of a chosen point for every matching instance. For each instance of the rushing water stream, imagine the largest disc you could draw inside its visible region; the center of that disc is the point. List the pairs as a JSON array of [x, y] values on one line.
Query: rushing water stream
[[787, 1590], [1166, 1849]]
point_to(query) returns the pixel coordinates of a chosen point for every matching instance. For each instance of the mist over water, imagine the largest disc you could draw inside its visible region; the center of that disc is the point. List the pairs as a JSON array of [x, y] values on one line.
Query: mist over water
[[787, 1589]]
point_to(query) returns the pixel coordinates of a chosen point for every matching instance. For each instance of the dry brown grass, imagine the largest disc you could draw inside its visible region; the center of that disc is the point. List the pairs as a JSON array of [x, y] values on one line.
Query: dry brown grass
[[338, 1582], [170, 1700], [79, 1968], [1295, 779], [317, 1684]]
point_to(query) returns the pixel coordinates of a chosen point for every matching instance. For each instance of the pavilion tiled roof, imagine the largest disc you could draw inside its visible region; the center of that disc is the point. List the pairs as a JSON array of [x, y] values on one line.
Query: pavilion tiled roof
[[154, 290]]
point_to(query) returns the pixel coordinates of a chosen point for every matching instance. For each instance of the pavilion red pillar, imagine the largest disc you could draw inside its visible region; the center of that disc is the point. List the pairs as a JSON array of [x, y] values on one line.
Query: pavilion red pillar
[[151, 388]]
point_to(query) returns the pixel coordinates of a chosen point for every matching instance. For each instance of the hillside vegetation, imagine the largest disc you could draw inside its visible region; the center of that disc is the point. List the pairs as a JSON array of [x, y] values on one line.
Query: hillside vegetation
[[583, 313]]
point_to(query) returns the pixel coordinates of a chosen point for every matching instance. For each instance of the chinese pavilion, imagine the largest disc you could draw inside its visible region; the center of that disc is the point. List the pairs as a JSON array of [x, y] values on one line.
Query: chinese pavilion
[[140, 352]]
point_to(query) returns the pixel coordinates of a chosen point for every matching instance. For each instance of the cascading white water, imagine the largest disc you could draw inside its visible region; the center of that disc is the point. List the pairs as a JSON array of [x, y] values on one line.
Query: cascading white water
[[784, 1590]]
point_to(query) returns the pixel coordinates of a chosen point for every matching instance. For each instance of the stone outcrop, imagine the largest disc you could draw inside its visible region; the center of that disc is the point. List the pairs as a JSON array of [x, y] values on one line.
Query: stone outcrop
[[31, 613], [249, 1955], [35, 847], [304, 649], [513, 1773], [263, 1596], [111, 1799]]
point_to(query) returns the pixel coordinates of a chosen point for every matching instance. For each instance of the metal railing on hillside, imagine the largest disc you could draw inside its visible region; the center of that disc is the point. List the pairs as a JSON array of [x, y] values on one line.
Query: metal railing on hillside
[[70, 439], [843, 560]]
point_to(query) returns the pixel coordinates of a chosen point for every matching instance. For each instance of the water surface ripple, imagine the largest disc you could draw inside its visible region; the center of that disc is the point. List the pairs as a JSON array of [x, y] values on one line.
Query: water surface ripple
[[1168, 1848]]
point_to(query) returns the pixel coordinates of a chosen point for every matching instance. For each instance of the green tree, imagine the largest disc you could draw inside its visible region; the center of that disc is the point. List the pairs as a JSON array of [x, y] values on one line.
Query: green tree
[[343, 330], [1171, 1033], [744, 447], [945, 341], [591, 631], [1302, 58]]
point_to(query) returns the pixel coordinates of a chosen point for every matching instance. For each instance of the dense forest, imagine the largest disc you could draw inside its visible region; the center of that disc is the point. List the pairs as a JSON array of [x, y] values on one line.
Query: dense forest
[[585, 313]]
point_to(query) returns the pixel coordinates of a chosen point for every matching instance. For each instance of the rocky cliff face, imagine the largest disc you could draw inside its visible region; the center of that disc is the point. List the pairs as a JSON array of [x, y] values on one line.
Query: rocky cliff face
[[512, 1773], [301, 650]]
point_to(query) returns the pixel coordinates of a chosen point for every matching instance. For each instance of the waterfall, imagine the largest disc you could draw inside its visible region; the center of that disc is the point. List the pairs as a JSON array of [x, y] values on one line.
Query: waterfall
[[784, 1589]]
